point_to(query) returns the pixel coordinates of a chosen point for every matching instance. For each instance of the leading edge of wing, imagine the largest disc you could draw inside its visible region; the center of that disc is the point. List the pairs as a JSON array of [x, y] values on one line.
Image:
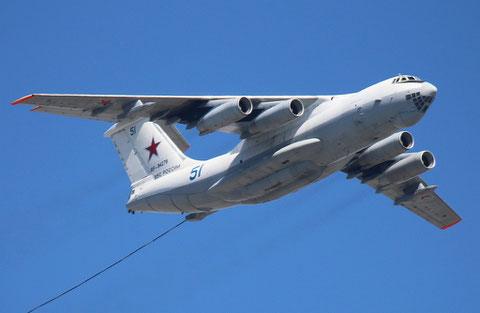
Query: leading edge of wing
[[29, 97], [23, 99], [210, 97]]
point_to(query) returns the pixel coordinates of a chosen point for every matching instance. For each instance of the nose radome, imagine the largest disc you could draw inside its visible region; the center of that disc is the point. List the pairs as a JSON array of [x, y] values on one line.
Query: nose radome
[[429, 89]]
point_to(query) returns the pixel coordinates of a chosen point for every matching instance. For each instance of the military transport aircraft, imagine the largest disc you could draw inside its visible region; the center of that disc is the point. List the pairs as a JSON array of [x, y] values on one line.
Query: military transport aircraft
[[288, 142]]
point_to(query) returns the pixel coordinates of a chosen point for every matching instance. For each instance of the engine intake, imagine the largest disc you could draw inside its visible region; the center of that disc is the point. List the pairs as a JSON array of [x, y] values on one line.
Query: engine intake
[[385, 150], [406, 167], [225, 112], [279, 113]]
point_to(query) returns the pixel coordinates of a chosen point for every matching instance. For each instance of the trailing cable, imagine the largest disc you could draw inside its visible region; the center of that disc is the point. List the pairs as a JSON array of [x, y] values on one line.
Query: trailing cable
[[110, 266]]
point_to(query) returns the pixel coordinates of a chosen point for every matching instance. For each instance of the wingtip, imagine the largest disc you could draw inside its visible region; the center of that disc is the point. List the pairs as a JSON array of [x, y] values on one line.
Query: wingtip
[[36, 108], [447, 226], [23, 99]]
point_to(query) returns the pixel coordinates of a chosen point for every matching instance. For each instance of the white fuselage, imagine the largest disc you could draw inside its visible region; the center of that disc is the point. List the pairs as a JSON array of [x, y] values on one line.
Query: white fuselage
[[270, 165]]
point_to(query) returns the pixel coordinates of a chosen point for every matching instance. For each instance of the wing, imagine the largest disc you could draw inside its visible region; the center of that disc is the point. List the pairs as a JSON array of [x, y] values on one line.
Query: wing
[[417, 196], [420, 198], [171, 109]]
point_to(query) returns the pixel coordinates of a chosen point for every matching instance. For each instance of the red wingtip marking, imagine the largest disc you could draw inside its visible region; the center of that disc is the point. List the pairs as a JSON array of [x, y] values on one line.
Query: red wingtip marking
[[36, 108], [23, 99], [445, 227]]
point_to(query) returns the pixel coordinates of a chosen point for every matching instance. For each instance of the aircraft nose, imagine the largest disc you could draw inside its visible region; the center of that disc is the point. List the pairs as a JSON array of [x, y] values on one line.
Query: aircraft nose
[[429, 90]]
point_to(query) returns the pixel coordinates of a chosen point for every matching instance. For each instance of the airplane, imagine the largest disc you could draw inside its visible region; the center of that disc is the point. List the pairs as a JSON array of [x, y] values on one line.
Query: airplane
[[287, 143]]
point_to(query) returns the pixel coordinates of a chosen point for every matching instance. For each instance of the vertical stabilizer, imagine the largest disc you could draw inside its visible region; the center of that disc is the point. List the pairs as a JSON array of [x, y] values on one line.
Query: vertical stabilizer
[[145, 149]]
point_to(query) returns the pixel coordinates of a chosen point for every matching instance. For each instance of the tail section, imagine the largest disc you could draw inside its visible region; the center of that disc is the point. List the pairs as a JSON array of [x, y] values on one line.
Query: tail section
[[145, 149]]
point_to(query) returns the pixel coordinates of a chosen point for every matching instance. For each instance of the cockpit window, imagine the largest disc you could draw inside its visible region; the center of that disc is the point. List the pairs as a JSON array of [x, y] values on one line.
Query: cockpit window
[[406, 79]]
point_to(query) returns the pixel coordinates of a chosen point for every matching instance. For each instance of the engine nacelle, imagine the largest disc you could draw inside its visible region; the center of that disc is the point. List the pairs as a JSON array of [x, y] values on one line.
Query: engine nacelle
[[280, 113], [408, 166], [225, 112], [385, 149]]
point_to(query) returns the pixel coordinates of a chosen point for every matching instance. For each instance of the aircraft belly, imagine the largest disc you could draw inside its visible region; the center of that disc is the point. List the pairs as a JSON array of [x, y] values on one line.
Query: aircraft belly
[[182, 203], [283, 190], [162, 203], [301, 172], [206, 202]]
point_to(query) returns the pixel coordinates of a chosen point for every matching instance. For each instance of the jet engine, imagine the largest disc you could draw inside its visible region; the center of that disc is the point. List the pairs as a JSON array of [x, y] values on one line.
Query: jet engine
[[278, 114], [407, 166], [225, 112], [385, 149]]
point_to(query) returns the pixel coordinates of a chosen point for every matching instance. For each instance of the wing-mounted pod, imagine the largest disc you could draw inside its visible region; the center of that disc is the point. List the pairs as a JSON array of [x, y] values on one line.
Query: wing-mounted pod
[[279, 113], [131, 110], [223, 113], [403, 168], [380, 152]]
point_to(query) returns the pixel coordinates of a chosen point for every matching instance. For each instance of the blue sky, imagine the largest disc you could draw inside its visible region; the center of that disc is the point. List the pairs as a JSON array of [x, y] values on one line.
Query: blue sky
[[332, 247]]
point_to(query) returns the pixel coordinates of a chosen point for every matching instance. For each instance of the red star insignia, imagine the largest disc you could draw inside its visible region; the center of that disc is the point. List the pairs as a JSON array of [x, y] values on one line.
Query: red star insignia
[[152, 149], [105, 102]]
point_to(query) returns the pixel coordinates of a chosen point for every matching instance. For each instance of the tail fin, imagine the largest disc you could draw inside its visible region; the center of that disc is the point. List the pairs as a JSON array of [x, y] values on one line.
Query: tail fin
[[145, 149]]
